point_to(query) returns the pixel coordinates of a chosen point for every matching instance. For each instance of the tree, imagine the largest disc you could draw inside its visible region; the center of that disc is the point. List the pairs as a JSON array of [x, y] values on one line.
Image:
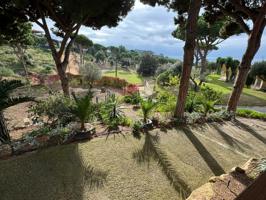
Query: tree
[[188, 12], [116, 54], [259, 69], [68, 16], [207, 39], [220, 62], [91, 73], [82, 43], [19, 36], [6, 88], [100, 56], [148, 65], [244, 13]]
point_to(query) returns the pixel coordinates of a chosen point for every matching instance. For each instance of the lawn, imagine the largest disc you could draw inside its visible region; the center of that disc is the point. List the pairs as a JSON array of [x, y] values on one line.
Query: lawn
[[249, 97], [129, 76], [105, 169]]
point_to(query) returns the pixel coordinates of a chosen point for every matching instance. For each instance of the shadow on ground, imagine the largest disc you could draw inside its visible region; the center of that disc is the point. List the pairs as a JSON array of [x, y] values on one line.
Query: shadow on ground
[[61, 174], [215, 167]]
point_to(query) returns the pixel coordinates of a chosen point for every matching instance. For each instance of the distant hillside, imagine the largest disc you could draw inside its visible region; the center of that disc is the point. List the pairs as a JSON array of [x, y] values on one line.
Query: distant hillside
[[38, 60]]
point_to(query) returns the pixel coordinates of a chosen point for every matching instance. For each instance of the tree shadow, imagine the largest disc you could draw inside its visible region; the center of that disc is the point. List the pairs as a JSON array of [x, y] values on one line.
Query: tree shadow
[[54, 173], [250, 130], [230, 140], [215, 167], [152, 151]]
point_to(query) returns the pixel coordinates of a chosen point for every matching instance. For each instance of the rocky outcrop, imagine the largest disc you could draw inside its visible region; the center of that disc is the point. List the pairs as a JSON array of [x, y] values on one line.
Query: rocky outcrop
[[227, 186]]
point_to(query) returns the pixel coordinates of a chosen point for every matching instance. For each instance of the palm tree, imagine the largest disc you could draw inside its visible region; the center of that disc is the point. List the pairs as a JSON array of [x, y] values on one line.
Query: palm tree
[[6, 88], [83, 108], [147, 106]]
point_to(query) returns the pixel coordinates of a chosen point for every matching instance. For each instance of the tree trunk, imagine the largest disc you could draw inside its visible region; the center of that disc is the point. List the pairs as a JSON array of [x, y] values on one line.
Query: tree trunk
[[189, 48], [21, 56], [4, 133], [203, 68], [63, 78], [116, 69], [252, 48]]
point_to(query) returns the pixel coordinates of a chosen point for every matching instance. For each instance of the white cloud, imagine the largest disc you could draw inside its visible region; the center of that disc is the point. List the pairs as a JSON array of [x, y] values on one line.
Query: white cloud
[[150, 28]]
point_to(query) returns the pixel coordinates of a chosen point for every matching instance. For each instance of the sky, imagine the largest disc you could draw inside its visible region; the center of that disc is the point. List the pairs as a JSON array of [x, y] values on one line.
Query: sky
[[150, 28]]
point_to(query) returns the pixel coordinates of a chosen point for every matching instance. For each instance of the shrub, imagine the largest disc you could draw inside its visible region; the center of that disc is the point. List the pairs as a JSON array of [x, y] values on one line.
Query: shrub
[[112, 82], [91, 73], [132, 88], [148, 65], [147, 106], [6, 72], [250, 114], [133, 98], [111, 114], [259, 69], [53, 111], [83, 108], [167, 102]]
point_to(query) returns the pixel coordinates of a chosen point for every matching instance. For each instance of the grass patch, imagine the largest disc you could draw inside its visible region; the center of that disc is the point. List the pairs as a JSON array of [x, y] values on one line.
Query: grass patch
[[250, 114], [129, 76], [105, 169], [249, 96]]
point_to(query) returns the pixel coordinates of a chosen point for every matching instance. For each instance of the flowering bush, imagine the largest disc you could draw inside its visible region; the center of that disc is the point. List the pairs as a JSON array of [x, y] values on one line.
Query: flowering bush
[[132, 88], [112, 82]]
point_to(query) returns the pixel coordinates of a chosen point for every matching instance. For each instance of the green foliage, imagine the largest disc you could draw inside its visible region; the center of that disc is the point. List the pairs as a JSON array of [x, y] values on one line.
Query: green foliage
[[100, 56], [91, 73], [193, 102], [169, 76], [111, 113], [112, 82], [137, 130], [250, 114], [203, 101], [258, 69], [147, 106], [83, 108], [6, 71], [133, 98], [167, 102], [148, 65], [54, 111], [83, 41], [7, 100]]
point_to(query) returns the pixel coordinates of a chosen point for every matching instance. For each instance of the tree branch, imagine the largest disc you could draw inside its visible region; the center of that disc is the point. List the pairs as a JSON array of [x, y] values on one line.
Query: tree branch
[[238, 19]]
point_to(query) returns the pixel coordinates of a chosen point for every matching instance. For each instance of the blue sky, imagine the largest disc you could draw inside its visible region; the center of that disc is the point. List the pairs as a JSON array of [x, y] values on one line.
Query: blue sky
[[149, 28]]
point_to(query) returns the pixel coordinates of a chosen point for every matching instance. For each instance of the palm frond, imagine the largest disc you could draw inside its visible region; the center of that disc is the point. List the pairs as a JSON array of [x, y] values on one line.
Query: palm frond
[[7, 86], [152, 150], [11, 101]]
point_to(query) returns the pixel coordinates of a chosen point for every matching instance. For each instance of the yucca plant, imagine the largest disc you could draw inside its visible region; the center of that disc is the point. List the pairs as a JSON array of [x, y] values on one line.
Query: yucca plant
[[6, 100], [83, 108], [147, 106], [111, 113]]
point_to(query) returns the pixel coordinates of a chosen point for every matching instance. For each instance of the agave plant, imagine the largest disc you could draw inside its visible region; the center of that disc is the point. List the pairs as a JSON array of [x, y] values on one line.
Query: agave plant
[[147, 106], [6, 88], [111, 113], [83, 108]]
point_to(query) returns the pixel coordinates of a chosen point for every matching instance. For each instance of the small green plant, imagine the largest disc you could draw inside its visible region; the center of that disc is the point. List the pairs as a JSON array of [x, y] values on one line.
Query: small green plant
[[6, 71], [83, 108], [147, 106], [193, 103], [208, 106], [112, 115], [53, 111], [133, 98], [250, 114]]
